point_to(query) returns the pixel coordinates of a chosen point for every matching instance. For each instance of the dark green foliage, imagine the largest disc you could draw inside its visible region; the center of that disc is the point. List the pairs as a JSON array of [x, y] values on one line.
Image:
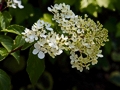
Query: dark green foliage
[[4, 81]]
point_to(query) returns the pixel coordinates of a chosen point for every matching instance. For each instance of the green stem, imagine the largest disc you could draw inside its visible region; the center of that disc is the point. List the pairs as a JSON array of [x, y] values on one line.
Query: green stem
[[14, 50]]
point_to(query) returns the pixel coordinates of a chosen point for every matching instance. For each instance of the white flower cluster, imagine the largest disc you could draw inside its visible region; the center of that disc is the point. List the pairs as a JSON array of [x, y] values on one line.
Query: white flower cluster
[[83, 39], [85, 36], [48, 41], [14, 3]]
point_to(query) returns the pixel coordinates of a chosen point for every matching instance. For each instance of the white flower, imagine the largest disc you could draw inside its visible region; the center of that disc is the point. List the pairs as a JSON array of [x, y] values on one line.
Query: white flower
[[49, 9], [33, 37], [99, 53], [38, 51], [52, 40], [59, 52], [26, 31], [94, 62], [47, 25], [29, 35], [38, 31], [42, 42], [41, 55], [14, 4], [40, 24], [19, 3]]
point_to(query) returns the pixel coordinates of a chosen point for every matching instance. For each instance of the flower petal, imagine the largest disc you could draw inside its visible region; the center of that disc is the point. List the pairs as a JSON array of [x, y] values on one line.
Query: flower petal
[[50, 29], [49, 9], [99, 55], [41, 55], [35, 51]]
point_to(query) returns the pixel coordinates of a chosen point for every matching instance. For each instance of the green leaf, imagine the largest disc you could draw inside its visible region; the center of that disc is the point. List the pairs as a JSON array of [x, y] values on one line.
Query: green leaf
[[102, 63], [108, 47], [16, 55], [118, 30], [48, 18], [110, 24], [70, 2], [5, 19], [105, 64], [16, 29], [45, 78], [115, 56], [13, 66], [84, 3], [7, 16], [4, 81], [92, 10], [109, 4], [7, 42], [117, 5], [3, 53], [26, 46], [90, 6], [24, 1], [18, 42], [35, 67], [104, 3], [22, 14], [115, 78]]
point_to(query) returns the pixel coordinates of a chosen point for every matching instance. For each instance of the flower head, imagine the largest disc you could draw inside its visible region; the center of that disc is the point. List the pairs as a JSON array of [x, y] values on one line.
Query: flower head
[[85, 36], [48, 41], [81, 36]]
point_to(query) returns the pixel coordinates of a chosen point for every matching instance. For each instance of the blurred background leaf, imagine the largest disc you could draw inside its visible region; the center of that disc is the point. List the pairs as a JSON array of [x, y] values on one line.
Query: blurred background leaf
[[115, 78], [5, 19], [13, 66], [5, 83], [3, 53]]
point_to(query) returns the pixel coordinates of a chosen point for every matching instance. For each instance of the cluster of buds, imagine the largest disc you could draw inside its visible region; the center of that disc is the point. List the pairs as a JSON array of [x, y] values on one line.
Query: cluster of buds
[[81, 36]]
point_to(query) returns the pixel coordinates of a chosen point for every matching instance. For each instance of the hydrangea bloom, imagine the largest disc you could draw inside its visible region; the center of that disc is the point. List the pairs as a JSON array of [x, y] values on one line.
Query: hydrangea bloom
[[81, 36], [85, 36], [15, 4]]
